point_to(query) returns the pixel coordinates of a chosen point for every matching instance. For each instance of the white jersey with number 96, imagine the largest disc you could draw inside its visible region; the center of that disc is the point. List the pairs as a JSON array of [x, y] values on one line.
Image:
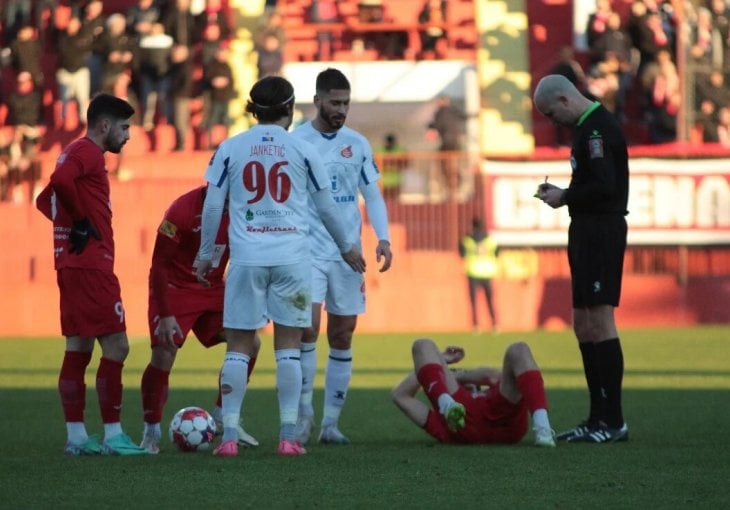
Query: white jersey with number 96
[[267, 175]]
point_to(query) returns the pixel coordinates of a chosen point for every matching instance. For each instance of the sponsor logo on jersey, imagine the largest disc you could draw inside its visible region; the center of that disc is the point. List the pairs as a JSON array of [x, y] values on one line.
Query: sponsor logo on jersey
[[347, 198], [249, 214], [267, 138], [168, 229], [275, 213], [346, 152]]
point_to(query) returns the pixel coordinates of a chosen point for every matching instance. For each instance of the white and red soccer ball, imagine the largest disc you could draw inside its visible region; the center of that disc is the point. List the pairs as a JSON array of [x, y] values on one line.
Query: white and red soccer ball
[[192, 429]]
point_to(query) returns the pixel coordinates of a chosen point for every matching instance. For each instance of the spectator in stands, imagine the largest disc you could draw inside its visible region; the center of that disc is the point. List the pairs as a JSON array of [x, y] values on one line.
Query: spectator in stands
[[269, 38], [141, 17], [93, 26], [4, 166], [662, 84], [602, 85], [211, 40], [181, 91], [218, 80], [711, 95], [704, 48], [15, 14], [215, 14], [72, 74], [24, 114], [118, 48], [647, 33], [613, 50], [723, 126], [721, 25], [324, 11], [598, 22], [180, 24], [270, 57], [566, 65], [433, 14], [155, 49], [449, 123], [26, 53], [393, 161]]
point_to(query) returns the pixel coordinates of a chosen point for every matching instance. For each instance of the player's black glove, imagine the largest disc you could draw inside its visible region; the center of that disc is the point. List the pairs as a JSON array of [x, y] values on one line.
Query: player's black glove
[[80, 233]]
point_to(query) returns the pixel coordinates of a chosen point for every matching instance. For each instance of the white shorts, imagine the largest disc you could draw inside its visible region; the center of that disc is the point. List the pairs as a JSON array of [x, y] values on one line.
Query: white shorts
[[338, 286], [255, 295]]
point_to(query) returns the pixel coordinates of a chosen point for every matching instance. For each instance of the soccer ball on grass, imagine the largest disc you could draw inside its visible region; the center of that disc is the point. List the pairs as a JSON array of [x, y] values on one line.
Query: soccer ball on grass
[[192, 429]]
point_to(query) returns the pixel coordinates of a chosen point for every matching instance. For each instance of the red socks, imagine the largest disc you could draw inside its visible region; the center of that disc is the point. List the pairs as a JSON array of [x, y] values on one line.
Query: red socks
[[532, 388], [433, 381], [109, 389], [71, 385], [155, 384]]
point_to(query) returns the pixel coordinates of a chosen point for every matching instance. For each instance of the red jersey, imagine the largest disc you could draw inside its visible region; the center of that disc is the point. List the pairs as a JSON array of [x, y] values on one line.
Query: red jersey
[[174, 260], [79, 188]]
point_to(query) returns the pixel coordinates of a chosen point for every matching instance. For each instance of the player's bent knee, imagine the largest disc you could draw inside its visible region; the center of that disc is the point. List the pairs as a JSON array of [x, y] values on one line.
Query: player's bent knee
[[422, 344]]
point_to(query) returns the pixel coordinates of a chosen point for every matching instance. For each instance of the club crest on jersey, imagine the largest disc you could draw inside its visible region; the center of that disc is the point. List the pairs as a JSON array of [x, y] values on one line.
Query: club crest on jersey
[[168, 229], [595, 145], [346, 152]]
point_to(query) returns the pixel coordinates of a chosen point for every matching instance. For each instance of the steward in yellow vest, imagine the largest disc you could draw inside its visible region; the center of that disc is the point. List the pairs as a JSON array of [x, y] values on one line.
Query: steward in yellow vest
[[479, 252]]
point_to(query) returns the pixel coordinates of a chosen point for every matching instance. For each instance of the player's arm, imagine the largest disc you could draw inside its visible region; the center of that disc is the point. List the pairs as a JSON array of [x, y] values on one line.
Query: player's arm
[[327, 209], [215, 199], [481, 376], [43, 202], [63, 182], [378, 215], [404, 397], [601, 186]]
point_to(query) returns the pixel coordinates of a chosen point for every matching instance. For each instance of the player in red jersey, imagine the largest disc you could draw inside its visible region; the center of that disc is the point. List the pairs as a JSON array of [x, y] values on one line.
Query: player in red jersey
[[178, 303], [77, 201], [461, 412]]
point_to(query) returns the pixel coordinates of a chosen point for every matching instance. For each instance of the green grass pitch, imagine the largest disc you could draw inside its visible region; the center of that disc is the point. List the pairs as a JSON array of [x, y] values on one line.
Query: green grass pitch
[[676, 401]]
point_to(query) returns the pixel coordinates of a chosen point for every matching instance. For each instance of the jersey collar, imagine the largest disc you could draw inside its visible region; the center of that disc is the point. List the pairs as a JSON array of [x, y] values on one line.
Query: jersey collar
[[586, 113]]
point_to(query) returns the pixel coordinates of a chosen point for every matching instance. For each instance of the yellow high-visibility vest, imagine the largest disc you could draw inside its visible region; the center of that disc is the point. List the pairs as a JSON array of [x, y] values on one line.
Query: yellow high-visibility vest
[[480, 258]]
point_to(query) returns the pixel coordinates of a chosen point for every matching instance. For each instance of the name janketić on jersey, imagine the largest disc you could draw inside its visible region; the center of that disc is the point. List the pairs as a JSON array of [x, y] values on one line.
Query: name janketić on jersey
[[268, 176], [349, 161]]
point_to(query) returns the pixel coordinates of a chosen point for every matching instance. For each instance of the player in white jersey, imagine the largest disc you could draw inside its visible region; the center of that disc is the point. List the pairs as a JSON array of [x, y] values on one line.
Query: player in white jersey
[[348, 157], [267, 176]]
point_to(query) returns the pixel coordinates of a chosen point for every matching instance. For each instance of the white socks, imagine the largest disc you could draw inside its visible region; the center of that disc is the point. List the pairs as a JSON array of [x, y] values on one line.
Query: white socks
[[336, 384], [445, 402], [76, 432], [540, 419], [289, 388], [309, 372], [233, 375]]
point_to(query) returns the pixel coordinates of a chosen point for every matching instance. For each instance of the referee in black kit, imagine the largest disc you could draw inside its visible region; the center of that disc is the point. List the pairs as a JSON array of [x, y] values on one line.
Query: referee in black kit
[[597, 199]]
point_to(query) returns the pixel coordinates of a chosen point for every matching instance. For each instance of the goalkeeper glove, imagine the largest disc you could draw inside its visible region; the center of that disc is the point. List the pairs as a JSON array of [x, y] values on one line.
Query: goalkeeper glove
[[80, 233]]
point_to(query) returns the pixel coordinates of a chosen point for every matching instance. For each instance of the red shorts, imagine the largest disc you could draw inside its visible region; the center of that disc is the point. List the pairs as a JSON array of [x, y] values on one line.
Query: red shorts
[[91, 302], [198, 310], [490, 418]]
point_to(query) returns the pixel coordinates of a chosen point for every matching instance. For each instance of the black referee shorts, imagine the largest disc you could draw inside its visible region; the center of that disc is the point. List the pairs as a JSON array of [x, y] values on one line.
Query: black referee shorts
[[596, 247]]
